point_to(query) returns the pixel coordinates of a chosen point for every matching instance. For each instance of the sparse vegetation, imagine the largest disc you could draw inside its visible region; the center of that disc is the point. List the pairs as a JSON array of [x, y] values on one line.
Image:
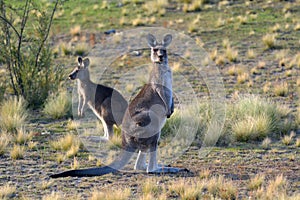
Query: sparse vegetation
[[255, 45], [7, 191], [58, 105], [121, 194], [17, 152], [13, 114], [269, 40]]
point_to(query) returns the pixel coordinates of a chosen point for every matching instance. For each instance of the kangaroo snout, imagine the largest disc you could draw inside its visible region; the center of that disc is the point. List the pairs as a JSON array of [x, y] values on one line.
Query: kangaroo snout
[[72, 76]]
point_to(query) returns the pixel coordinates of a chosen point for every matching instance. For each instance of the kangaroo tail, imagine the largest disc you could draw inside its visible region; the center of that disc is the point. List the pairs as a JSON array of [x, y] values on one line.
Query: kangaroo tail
[[115, 166]]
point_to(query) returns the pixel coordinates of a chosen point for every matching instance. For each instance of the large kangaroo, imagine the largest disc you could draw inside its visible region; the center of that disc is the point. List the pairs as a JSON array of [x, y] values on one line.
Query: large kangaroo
[[144, 119], [106, 103]]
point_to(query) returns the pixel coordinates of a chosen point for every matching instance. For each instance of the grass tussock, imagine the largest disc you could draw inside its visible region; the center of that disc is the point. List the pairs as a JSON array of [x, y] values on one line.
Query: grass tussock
[[22, 136], [288, 139], [221, 188], [17, 152], [269, 40], [7, 191], [266, 143], [53, 196], [256, 182], [254, 118], [4, 142], [13, 114], [111, 194], [66, 143], [281, 89], [58, 105]]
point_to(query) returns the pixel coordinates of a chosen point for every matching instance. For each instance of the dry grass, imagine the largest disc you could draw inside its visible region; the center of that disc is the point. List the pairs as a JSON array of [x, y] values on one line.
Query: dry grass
[[138, 21], [242, 78], [111, 194], [17, 152], [297, 142], [213, 54], [269, 40], [251, 54], [72, 125], [220, 60], [58, 105], [66, 49], [22, 136], [252, 128], [231, 54], [13, 114], [53, 196], [81, 49], [7, 191], [75, 31], [75, 164], [74, 149], [222, 188], [60, 158], [204, 174], [266, 143], [115, 142], [186, 189], [281, 89], [46, 184], [256, 182], [253, 118], [288, 139], [5, 139], [149, 186], [65, 143]]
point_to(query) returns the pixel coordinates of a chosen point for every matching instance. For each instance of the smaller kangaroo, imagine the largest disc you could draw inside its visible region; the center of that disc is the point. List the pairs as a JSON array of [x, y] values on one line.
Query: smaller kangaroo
[[106, 103]]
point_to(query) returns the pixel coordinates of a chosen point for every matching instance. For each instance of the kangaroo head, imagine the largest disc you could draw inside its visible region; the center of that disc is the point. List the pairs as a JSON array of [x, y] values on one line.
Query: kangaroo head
[[158, 50], [81, 72]]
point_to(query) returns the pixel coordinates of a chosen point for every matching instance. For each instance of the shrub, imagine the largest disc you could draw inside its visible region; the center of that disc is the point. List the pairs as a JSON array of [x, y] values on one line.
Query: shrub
[[26, 51], [13, 114], [58, 105]]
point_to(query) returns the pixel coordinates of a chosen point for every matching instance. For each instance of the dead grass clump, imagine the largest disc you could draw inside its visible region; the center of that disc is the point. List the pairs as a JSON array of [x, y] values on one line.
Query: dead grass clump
[[256, 182], [81, 49], [269, 40], [72, 125], [242, 78], [7, 191], [58, 105], [65, 143], [251, 54], [4, 141], [111, 194], [115, 142], [53, 196], [17, 152], [75, 31], [266, 143], [22, 136], [231, 54], [281, 89], [187, 189], [297, 142], [221, 188], [288, 139], [150, 187], [13, 114]]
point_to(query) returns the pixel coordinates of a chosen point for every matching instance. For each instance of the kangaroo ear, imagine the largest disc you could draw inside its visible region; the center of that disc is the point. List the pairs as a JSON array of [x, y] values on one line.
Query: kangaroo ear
[[167, 40], [151, 40], [79, 61], [86, 62]]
